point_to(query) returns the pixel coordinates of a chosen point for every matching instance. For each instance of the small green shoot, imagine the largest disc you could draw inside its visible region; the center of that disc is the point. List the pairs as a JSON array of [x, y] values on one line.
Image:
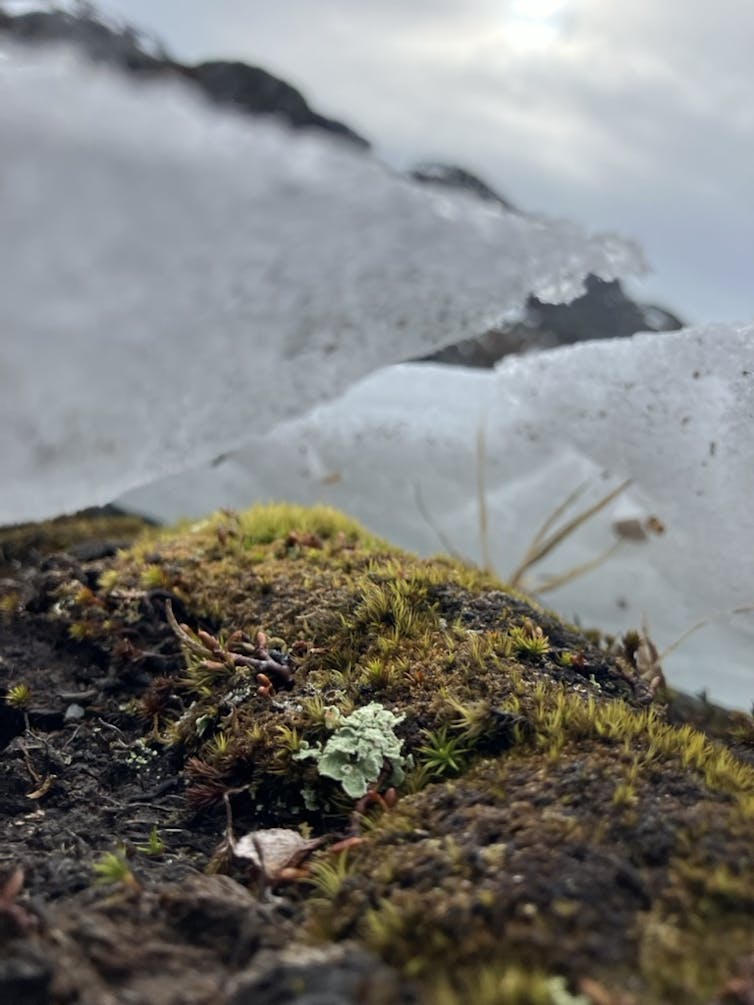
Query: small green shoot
[[327, 875], [529, 640], [111, 868], [154, 846], [154, 577], [443, 754], [219, 745], [19, 696], [470, 718]]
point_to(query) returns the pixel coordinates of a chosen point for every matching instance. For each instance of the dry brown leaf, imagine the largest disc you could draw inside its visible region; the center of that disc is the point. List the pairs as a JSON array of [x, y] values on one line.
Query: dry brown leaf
[[272, 850]]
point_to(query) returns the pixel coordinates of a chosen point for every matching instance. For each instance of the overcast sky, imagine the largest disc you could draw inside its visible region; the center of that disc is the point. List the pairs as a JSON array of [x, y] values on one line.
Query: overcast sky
[[632, 116]]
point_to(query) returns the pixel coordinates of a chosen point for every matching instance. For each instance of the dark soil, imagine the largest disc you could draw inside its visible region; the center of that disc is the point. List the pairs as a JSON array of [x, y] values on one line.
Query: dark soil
[[74, 785]]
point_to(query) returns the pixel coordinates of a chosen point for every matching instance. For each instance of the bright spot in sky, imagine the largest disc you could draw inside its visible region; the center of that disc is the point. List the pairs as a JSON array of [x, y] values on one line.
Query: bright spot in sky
[[534, 24]]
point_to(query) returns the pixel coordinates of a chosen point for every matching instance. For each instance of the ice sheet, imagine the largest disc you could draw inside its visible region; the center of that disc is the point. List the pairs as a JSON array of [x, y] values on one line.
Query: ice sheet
[[174, 279], [672, 412]]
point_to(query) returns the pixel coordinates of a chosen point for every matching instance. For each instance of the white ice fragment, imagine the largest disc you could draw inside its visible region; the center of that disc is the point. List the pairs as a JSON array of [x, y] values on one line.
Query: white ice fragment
[[673, 412], [175, 279]]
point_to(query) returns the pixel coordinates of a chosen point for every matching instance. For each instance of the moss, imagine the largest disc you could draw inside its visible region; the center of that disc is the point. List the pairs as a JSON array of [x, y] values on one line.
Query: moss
[[89, 529], [528, 861], [555, 825], [18, 696], [504, 985]]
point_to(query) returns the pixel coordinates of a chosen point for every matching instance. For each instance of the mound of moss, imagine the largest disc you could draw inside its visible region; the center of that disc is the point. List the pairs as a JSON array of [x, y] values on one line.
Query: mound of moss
[[531, 826]]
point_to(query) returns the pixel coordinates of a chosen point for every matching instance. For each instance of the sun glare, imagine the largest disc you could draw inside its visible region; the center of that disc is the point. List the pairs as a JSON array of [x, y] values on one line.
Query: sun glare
[[534, 24]]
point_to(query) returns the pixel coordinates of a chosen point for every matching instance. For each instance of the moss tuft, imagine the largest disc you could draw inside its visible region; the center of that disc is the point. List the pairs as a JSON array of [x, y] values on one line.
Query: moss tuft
[[553, 825]]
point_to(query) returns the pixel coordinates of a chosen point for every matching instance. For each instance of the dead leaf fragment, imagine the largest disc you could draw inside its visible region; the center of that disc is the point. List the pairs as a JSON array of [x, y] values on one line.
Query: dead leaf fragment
[[274, 849], [43, 789], [636, 529]]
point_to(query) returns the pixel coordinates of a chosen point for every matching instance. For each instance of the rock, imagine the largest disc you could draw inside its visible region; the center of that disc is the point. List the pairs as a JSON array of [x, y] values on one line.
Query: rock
[[306, 975], [124, 48], [602, 311], [251, 89], [246, 88], [451, 176]]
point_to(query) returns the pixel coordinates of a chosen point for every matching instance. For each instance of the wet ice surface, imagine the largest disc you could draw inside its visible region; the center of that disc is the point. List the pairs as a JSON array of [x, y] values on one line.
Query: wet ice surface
[[175, 279], [674, 413]]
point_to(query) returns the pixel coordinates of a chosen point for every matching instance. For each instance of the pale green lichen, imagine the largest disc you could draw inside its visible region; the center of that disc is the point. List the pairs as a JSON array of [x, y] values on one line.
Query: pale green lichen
[[358, 751]]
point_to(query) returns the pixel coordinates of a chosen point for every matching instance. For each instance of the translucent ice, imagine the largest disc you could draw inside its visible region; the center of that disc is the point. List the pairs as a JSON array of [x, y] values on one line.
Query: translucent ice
[[674, 413], [175, 279]]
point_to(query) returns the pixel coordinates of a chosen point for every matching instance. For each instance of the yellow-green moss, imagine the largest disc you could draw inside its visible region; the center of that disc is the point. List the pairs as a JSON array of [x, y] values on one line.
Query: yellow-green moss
[[91, 525], [501, 984], [554, 825]]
